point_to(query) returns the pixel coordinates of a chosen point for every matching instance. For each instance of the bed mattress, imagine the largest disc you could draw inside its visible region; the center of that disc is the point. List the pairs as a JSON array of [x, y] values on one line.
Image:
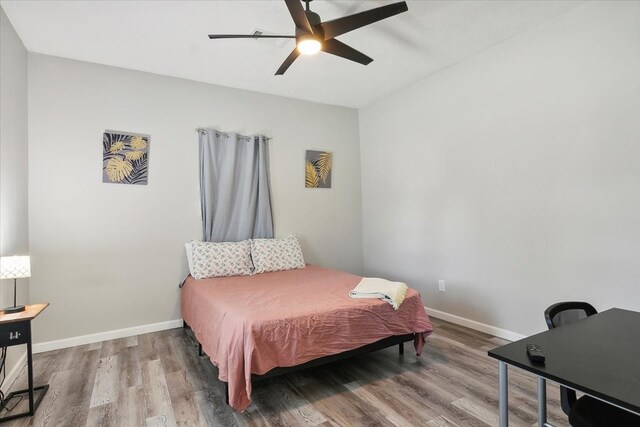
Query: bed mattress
[[252, 324]]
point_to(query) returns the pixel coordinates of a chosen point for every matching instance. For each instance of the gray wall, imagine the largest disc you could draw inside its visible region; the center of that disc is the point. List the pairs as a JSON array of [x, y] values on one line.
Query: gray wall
[[110, 256], [514, 175], [14, 230]]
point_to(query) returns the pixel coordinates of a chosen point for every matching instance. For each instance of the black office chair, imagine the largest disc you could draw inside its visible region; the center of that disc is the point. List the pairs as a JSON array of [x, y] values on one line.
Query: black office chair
[[586, 411]]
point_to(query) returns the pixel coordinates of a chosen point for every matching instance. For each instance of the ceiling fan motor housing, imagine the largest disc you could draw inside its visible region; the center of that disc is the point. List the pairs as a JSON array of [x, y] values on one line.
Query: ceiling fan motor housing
[[318, 32], [314, 18]]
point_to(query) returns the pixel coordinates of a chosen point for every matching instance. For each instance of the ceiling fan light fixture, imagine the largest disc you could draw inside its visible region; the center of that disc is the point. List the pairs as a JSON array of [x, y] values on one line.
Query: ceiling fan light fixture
[[309, 46], [313, 35]]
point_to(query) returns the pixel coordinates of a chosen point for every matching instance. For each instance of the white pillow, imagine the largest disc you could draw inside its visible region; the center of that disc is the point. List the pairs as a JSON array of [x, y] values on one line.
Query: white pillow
[[212, 259], [276, 254], [189, 249]]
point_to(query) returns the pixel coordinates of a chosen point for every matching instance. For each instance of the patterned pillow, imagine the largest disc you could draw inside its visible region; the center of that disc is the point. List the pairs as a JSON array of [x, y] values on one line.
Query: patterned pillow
[[276, 254], [211, 259], [188, 247]]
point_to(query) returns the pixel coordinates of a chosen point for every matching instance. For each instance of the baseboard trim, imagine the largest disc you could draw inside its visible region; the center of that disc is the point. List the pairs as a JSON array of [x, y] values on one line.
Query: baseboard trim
[[478, 326], [104, 336], [171, 324], [13, 373]]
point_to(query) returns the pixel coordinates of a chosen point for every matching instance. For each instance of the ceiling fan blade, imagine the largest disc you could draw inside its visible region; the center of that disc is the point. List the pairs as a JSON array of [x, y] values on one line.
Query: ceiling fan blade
[[349, 23], [287, 62], [338, 48], [299, 17], [245, 36]]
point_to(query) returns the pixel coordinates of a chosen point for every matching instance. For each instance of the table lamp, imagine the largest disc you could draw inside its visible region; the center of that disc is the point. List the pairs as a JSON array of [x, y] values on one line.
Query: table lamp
[[14, 267]]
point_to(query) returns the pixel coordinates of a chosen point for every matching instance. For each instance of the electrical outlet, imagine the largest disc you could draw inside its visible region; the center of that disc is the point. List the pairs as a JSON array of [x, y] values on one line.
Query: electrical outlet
[[441, 286]]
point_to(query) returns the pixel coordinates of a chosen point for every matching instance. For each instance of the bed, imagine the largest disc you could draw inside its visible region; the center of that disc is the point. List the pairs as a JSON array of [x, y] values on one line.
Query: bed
[[259, 326]]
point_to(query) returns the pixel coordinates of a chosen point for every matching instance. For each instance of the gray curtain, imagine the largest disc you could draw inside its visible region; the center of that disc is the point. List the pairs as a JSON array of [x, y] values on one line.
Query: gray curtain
[[234, 187]]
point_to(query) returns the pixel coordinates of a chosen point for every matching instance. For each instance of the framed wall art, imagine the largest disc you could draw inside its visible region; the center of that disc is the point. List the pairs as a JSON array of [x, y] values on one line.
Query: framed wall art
[[125, 158], [318, 165]]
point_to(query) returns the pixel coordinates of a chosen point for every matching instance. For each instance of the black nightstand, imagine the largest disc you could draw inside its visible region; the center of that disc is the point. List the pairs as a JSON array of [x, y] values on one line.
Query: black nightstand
[[15, 329]]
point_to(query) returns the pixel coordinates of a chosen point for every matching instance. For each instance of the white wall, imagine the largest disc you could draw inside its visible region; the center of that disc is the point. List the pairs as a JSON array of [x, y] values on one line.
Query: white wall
[[110, 256], [14, 230], [515, 174]]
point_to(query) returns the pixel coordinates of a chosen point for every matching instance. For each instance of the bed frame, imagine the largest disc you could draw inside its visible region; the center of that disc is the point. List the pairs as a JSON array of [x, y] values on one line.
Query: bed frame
[[275, 372]]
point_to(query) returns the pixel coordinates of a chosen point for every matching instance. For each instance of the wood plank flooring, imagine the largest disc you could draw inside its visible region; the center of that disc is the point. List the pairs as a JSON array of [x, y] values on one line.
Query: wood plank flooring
[[158, 380]]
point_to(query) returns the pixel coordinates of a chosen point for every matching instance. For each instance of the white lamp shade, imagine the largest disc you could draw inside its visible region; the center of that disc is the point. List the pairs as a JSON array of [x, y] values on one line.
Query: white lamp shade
[[15, 267]]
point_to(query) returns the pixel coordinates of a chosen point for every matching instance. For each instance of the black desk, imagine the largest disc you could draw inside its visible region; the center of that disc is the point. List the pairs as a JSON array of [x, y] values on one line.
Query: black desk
[[599, 356]]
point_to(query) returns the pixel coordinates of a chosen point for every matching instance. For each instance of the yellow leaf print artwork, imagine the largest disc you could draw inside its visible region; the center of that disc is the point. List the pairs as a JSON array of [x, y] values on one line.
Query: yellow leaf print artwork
[[323, 165], [134, 155], [116, 146], [125, 157], [118, 169], [318, 169], [311, 179], [137, 143]]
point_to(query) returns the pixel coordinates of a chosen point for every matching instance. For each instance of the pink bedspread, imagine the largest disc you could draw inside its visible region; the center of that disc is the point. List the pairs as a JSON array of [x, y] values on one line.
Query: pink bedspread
[[252, 324]]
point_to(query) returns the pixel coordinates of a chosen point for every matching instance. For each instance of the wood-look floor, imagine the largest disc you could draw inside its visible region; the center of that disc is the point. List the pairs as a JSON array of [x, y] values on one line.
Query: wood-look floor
[[158, 380]]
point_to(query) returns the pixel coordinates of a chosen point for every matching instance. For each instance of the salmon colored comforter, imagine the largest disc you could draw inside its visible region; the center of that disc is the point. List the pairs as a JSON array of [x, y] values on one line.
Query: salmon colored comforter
[[252, 324]]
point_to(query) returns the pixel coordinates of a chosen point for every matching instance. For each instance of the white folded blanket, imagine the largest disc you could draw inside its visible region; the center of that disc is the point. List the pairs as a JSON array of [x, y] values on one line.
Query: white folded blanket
[[371, 287]]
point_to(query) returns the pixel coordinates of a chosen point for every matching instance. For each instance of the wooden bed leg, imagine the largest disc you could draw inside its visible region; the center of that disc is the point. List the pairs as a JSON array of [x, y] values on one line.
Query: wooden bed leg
[[401, 348], [200, 352], [226, 393]]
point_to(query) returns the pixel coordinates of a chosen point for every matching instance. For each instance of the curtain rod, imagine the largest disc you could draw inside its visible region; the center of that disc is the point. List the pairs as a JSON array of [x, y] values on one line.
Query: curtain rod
[[204, 132]]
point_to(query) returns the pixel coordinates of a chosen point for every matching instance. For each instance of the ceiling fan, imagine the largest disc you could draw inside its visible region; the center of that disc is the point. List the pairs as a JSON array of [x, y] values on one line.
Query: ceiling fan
[[313, 35]]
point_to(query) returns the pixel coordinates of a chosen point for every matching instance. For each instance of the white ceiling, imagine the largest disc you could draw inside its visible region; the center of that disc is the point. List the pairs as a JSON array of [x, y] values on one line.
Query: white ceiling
[[170, 38]]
